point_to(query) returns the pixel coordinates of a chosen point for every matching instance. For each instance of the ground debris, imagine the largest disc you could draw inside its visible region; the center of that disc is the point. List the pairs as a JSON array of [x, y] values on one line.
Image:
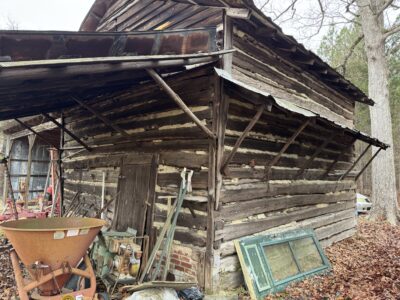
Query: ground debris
[[7, 283], [366, 266]]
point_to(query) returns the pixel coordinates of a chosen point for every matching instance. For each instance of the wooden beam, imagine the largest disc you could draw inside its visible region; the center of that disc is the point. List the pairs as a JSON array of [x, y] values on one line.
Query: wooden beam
[[100, 116], [67, 131], [228, 42], [31, 141], [39, 135], [354, 164], [158, 79], [285, 147], [314, 155], [238, 13], [241, 138], [344, 150], [368, 163]]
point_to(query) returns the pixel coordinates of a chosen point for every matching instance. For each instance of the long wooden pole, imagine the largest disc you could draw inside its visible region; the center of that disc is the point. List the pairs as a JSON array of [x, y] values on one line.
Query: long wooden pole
[[174, 96], [244, 134], [39, 135], [100, 116], [67, 131], [354, 164], [285, 147], [368, 163], [31, 140]]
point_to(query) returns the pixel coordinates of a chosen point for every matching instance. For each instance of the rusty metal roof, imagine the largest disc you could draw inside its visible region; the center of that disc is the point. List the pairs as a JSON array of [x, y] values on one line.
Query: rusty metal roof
[[43, 45], [288, 106], [162, 14]]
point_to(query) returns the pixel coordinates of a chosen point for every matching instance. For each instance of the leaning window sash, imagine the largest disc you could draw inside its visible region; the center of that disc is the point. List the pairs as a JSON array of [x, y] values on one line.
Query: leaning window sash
[[262, 288]]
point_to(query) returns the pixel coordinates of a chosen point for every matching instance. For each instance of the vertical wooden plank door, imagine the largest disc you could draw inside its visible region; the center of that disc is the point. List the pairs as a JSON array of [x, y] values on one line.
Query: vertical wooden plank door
[[134, 194]]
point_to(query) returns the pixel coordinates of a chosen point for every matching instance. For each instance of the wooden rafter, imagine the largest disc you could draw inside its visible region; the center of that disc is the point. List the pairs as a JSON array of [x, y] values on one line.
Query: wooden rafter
[[241, 138], [269, 166], [368, 163], [354, 164], [39, 135], [67, 131], [100, 116], [317, 151], [338, 157], [174, 96]]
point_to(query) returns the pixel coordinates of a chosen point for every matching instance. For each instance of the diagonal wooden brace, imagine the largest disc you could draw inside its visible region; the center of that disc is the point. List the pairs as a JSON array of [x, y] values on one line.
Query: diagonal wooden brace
[[314, 155], [354, 164], [241, 138], [174, 96], [100, 116], [269, 166]]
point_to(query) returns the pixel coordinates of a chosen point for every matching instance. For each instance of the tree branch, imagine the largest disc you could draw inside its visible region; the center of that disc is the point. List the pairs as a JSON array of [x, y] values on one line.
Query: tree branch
[[384, 6], [395, 28], [350, 53], [394, 49], [291, 6]]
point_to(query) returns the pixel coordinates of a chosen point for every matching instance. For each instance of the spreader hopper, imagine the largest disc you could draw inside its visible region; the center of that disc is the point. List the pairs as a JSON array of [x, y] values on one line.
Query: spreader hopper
[[51, 250]]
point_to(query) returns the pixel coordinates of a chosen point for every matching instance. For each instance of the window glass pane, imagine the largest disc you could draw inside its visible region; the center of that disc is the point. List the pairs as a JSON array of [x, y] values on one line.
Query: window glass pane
[[307, 254], [258, 268], [281, 261]]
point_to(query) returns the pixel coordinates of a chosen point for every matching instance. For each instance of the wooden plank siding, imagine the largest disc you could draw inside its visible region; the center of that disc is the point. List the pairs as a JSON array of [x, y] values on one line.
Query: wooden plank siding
[[251, 204], [156, 125]]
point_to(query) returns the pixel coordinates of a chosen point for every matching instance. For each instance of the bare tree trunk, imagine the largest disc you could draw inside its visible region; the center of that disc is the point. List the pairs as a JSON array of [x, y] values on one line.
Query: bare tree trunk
[[384, 196]]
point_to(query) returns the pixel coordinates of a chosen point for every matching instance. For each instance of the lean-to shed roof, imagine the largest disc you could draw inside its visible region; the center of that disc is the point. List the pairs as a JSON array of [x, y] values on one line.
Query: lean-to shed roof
[[204, 13]]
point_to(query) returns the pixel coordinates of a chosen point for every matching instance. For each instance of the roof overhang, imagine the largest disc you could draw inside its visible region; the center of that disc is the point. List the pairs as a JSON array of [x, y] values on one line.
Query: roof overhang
[[46, 45], [290, 107], [265, 31]]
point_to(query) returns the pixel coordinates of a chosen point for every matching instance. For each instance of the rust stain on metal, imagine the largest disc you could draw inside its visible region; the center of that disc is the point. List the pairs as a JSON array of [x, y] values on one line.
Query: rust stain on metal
[[41, 45]]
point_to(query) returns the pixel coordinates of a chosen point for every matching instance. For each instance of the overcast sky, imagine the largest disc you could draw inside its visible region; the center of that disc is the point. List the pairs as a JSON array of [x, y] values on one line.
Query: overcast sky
[[44, 14], [69, 14]]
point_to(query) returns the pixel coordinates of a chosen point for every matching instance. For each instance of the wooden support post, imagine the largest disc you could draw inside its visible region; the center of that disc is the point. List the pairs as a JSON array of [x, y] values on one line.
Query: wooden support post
[[60, 169], [100, 116], [368, 163], [228, 42], [31, 142], [284, 148], [241, 138], [314, 155], [354, 164], [67, 131], [157, 78], [7, 153], [35, 132], [344, 150]]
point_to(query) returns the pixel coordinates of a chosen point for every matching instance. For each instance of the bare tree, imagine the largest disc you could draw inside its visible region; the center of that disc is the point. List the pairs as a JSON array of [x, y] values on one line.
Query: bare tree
[[8, 23], [379, 20]]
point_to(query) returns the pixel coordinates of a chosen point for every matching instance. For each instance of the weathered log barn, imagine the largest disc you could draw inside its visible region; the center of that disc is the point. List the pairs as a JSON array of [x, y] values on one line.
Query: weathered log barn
[[149, 87]]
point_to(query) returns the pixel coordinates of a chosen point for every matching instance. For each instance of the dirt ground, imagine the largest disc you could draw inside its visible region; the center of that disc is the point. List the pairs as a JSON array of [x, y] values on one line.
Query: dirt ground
[[366, 266]]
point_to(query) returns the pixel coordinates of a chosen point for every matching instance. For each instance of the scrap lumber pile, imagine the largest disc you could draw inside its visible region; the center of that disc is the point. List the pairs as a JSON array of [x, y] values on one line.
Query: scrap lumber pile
[[365, 266]]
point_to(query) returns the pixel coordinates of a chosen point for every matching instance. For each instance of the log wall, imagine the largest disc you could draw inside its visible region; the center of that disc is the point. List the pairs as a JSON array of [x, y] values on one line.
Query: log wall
[[260, 66], [156, 126], [256, 62], [251, 203]]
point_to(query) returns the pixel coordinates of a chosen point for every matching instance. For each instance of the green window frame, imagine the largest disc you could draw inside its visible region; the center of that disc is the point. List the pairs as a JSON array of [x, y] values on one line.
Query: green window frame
[[259, 257]]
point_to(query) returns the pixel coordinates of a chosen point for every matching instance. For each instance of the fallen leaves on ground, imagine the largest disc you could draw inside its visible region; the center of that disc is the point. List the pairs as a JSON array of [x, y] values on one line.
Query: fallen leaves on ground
[[7, 284], [365, 266]]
